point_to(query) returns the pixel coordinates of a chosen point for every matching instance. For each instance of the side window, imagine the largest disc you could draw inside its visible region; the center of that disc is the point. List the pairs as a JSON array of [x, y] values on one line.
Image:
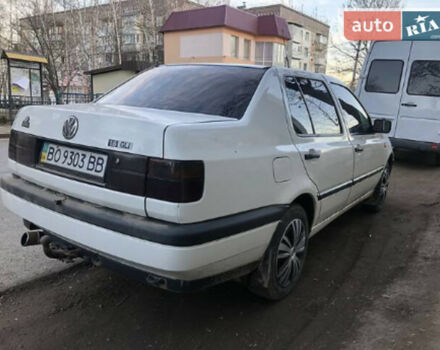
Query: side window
[[384, 76], [424, 78], [298, 110], [321, 107], [356, 118]]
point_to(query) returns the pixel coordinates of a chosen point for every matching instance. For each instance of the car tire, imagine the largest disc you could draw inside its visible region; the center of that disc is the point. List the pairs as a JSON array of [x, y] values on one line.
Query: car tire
[[281, 267], [377, 200]]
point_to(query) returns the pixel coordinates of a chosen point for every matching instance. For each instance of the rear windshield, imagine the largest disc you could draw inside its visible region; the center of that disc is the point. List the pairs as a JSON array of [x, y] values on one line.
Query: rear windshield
[[218, 90], [424, 78]]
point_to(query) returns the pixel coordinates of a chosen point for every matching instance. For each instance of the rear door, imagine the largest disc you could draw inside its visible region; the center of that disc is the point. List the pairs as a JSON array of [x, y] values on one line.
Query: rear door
[[419, 117], [326, 150], [381, 84]]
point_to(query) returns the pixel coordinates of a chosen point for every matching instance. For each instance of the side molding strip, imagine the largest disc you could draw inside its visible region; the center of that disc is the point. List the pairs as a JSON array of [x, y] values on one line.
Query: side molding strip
[[348, 184]]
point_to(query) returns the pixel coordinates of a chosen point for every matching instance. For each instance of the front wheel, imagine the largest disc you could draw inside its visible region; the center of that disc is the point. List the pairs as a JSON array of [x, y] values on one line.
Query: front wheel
[[377, 200], [283, 262]]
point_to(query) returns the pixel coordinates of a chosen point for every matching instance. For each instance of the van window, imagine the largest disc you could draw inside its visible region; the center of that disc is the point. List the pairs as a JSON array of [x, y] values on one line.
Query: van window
[[355, 116], [298, 110], [424, 78], [321, 107], [384, 76]]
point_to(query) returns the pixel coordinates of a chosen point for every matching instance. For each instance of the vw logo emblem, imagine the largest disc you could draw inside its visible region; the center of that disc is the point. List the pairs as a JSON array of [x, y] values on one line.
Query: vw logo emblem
[[70, 127]]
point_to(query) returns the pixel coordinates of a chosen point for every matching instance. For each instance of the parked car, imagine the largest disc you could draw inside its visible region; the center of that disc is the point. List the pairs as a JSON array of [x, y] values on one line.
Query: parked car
[[400, 82], [190, 175]]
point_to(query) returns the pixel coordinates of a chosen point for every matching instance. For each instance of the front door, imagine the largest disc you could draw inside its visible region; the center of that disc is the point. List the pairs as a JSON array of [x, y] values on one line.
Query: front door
[[325, 148], [369, 149], [419, 117]]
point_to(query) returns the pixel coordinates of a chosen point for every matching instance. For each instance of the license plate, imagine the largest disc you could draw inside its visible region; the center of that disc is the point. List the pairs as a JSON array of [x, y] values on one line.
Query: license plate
[[85, 162]]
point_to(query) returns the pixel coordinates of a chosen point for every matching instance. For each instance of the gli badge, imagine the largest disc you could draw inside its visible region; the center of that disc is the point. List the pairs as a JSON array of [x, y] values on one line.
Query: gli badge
[[70, 127]]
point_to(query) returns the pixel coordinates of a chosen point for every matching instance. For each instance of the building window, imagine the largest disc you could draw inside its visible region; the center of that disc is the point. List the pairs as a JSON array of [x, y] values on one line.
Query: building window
[[304, 66], [322, 39], [247, 49], [159, 21], [306, 51], [268, 54], [130, 39], [295, 64], [234, 46], [307, 36], [159, 38], [263, 53]]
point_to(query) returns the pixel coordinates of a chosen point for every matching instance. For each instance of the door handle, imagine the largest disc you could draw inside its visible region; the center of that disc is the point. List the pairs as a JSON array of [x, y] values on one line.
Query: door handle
[[312, 154], [358, 149], [409, 104]]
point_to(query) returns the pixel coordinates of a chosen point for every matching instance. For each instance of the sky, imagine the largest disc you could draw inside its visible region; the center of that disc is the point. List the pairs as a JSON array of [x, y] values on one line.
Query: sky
[[329, 10]]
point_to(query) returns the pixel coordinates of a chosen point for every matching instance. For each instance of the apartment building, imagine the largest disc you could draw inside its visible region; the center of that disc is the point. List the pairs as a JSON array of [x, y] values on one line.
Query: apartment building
[[307, 48], [94, 37], [224, 34]]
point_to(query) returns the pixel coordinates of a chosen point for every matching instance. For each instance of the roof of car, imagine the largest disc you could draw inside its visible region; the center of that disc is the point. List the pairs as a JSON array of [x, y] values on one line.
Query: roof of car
[[310, 75], [281, 70], [219, 64]]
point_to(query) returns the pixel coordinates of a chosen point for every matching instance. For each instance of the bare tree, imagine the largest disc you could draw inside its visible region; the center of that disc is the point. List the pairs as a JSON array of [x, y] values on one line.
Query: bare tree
[[350, 55], [80, 35], [50, 28]]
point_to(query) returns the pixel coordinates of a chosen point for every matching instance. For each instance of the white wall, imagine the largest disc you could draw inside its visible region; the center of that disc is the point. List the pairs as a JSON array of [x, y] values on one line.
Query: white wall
[[106, 81]]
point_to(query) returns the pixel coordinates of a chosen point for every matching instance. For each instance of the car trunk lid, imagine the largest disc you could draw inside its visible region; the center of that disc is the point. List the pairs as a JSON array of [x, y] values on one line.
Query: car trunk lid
[[129, 129]]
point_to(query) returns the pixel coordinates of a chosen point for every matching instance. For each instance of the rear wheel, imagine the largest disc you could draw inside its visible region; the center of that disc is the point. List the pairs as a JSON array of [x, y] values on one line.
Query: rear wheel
[[283, 262], [377, 200]]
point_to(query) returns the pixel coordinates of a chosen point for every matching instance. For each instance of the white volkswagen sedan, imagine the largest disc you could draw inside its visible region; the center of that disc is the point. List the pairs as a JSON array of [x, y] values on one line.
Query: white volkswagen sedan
[[190, 175]]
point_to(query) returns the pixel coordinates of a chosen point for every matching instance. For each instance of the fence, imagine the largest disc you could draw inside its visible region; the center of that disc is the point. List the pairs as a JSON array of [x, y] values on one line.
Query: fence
[[17, 102], [9, 107]]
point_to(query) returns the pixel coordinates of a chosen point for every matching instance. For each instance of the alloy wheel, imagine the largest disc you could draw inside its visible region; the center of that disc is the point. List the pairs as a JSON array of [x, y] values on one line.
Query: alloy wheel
[[291, 253], [384, 183]]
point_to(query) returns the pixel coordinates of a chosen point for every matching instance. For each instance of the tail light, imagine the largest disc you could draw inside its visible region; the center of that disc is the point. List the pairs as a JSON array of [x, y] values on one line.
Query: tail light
[[23, 148], [12, 150], [175, 180]]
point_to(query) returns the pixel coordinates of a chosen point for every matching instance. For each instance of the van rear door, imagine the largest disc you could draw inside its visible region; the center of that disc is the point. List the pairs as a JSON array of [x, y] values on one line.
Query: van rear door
[[419, 117], [381, 84]]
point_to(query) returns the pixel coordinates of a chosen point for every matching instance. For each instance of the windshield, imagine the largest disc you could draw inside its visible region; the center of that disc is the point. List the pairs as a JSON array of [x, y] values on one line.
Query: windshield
[[218, 90]]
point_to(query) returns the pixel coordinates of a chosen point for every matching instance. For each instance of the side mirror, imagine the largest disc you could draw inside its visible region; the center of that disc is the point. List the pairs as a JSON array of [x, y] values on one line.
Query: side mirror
[[382, 126]]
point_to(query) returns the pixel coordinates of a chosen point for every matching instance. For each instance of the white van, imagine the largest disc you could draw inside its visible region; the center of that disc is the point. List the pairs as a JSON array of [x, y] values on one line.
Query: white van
[[400, 81]]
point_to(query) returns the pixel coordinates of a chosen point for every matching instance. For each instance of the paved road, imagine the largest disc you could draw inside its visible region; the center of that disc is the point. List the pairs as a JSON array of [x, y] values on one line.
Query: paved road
[[18, 264], [370, 282]]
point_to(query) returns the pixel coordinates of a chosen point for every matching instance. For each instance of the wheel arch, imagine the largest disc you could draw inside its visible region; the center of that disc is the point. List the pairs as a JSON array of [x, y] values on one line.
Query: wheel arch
[[308, 202], [391, 159]]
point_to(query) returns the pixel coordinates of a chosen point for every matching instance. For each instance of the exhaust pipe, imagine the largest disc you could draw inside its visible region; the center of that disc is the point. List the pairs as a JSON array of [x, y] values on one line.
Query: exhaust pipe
[[32, 237]]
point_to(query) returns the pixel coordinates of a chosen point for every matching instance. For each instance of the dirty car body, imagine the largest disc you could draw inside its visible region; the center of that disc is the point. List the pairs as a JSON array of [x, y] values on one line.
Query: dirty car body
[[183, 176]]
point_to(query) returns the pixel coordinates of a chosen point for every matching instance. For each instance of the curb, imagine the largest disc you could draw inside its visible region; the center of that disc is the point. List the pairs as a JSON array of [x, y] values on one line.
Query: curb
[[4, 136]]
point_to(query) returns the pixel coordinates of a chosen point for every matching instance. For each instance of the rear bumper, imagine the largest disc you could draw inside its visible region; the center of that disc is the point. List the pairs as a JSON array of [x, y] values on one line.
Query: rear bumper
[[155, 279], [413, 145], [175, 251]]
